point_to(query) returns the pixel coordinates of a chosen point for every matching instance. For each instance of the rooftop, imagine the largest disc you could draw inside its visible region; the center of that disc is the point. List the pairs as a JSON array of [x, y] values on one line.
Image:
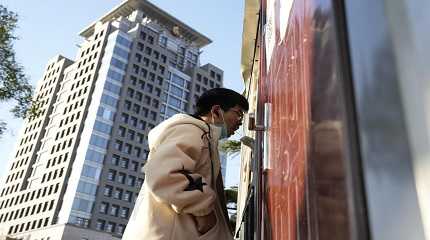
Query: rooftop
[[154, 12]]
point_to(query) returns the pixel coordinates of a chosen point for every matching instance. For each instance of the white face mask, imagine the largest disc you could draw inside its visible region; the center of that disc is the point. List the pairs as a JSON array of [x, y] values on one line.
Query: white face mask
[[221, 128]]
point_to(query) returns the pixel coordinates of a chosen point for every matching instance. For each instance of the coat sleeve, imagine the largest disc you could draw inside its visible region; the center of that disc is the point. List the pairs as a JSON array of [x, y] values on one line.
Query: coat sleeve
[[170, 172]]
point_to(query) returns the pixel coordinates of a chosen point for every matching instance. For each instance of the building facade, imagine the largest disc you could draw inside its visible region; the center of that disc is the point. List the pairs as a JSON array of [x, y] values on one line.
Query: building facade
[[77, 167]]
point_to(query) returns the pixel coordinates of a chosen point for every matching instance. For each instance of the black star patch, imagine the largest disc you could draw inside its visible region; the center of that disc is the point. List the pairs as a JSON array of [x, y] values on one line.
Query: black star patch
[[193, 184]]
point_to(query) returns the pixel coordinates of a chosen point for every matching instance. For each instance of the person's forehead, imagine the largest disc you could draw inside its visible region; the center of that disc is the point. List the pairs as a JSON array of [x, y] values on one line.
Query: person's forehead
[[238, 108]]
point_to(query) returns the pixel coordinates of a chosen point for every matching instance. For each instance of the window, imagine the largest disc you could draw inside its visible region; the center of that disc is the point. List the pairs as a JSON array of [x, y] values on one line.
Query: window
[[103, 207], [119, 64], [94, 156], [115, 160], [124, 163], [151, 39], [120, 52], [136, 108], [110, 227], [176, 91], [114, 210], [134, 166], [163, 41], [133, 121], [142, 125], [109, 100], [121, 177], [143, 35], [121, 131], [127, 105], [138, 57], [115, 75], [131, 134], [102, 127], [178, 80], [117, 193], [147, 100], [174, 102], [130, 92], [106, 113], [127, 196], [135, 69], [139, 182], [153, 115], [107, 191], [111, 175], [113, 88], [131, 180], [98, 141], [118, 145], [123, 41], [100, 224], [124, 212], [82, 205], [124, 117], [149, 88], [120, 229], [87, 188], [90, 172]]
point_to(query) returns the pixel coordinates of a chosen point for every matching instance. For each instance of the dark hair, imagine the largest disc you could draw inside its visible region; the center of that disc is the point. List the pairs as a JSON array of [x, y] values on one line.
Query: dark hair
[[224, 97]]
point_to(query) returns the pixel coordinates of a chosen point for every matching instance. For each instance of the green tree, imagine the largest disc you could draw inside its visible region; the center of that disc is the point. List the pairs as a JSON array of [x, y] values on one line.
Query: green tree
[[13, 82]]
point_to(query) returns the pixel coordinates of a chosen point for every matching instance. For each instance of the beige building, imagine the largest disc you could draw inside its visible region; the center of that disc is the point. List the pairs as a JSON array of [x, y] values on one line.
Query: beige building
[[76, 169]]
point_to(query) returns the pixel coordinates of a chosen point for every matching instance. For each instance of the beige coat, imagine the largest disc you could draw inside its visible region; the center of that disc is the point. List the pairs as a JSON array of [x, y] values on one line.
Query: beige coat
[[180, 182]]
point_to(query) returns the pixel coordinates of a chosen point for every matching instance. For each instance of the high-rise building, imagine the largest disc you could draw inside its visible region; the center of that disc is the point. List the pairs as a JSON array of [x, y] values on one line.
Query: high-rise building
[[77, 168]]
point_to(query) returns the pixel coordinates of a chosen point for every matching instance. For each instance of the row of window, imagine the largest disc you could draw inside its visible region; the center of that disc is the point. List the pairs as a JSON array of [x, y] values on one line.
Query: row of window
[[23, 150], [30, 210], [138, 109], [109, 100], [68, 119], [131, 135], [28, 138], [78, 83], [82, 205], [123, 178], [127, 148], [105, 113], [139, 96], [29, 196], [56, 160], [14, 176], [52, 175], [19, 163], [44, 92], [125, 163], [121, 194], [9, 189], [28, 226], [32, 126], [76, 94], [62, 145], [110, 227], [74, 106], [114, 210], [66, 132], [147, 37], [150, 52], [135, 122]]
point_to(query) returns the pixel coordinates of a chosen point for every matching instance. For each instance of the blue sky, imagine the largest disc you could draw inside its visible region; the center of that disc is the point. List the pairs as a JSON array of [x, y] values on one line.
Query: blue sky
[[50, 27]]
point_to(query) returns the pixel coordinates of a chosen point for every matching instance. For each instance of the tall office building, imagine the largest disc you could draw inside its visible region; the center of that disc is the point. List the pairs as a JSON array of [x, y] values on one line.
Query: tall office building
[[76, 170]]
